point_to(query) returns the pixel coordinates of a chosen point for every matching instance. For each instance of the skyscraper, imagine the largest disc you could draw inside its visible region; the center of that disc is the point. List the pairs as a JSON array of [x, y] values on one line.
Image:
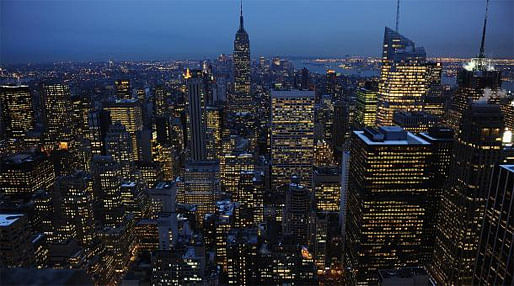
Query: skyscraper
[[477, 150], [250, 197], [98, 124], [298, 212], [107, 190], [386, 223], [201, 185], [197, 123], [292, 136], [494, 265], [365, 108], [405, 77], [327, 189], [214, 123], [415, 121], [324, 122], [242, 66], [159, 101], [17, 113], [128, 112], [22, 174], [16, 250], [442, 141], [58, 110], [235, 159], [478, 80], [76, 192], [118, 145]]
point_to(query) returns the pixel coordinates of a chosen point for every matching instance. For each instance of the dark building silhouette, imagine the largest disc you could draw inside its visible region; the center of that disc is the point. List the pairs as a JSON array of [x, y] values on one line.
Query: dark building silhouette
[[197, 115], [17, 112], [494, 265], [478, 148]]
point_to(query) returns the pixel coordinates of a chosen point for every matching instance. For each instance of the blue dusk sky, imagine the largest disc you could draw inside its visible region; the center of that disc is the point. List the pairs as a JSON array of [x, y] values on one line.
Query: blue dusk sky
[[94, 30]]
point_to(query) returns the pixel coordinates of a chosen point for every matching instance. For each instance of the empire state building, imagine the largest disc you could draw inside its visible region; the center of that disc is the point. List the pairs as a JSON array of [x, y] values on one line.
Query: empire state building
[[241, 61]]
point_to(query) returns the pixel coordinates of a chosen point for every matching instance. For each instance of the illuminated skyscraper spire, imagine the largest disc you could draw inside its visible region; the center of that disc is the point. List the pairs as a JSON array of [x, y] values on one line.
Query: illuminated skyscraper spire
[[482, 44]]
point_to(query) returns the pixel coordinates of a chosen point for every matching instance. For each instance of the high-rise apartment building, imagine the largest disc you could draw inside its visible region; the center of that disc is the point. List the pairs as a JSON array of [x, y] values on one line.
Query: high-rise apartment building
[[292, 136], [388, 200]]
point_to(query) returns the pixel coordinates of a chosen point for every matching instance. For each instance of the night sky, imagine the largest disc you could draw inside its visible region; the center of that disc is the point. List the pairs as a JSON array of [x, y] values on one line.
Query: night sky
[[87, 30]]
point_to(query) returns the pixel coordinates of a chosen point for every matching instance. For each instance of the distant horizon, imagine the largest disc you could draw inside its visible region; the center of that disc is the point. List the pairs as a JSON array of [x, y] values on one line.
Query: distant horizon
[[83, 31], [254, 58]]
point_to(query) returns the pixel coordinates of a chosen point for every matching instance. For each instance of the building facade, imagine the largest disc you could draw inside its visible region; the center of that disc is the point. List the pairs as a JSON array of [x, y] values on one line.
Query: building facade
[[388, 203], [292, 136]]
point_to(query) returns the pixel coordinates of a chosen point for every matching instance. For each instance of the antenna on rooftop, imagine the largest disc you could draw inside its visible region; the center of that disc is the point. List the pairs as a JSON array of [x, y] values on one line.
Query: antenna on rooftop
[[482, 44], [398, 14]]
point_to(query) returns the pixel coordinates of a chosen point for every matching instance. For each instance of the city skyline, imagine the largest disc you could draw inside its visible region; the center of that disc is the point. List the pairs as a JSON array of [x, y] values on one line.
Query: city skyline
[[357, 171], [48, 31]]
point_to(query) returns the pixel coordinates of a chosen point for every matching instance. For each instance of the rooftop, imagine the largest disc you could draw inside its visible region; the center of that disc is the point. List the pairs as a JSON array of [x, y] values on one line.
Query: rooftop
[[128, 184], [14, 86], [509, 168], [8, 219], [22, 158], [292, 93], [389, 135], [438, 134], [164, 185], [416, 276], [28, 276]]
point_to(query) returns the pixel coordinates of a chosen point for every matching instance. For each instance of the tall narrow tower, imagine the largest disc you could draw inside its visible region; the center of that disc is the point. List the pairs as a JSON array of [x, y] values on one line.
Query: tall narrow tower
[[473, 80], [241, 62], [197, 123]]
